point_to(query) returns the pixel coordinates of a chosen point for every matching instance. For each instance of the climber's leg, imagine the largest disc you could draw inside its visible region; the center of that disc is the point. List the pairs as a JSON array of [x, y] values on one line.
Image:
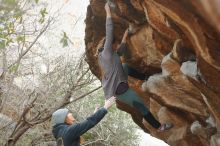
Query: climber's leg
[[131, 98], [133, 72], [147, 114], [126, 97]]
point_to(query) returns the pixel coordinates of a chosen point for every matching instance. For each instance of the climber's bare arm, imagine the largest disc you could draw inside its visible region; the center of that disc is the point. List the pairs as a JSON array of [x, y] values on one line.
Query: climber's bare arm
[[108, 11], [125, 36]]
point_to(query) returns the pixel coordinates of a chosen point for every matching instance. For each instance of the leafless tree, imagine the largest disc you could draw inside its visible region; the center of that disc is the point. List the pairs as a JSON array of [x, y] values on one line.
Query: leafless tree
[[25, 106]]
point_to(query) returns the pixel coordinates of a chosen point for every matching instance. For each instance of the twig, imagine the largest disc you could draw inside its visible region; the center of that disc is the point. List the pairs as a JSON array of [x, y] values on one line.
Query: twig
[[32, 44]]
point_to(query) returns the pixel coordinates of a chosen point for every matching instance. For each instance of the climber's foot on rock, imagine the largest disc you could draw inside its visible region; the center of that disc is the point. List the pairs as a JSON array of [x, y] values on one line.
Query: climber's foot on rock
[[164, 127]]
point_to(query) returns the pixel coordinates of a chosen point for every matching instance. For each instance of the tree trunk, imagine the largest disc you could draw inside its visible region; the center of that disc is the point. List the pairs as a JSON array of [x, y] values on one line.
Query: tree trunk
[[16, 135]]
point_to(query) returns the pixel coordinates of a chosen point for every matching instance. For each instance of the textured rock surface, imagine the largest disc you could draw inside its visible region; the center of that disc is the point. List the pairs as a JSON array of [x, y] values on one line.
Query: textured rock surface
[[184, 83]]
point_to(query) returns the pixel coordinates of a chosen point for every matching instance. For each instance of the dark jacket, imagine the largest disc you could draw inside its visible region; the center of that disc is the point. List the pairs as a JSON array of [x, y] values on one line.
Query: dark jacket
[[70, 134]]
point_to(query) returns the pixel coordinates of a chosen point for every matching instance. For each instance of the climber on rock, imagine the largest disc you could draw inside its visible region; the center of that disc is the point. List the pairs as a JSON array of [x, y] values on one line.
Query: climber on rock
[[115, 75]]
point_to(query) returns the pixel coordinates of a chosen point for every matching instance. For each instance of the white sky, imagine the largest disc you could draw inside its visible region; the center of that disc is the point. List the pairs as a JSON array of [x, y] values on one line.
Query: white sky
[[71, 10]]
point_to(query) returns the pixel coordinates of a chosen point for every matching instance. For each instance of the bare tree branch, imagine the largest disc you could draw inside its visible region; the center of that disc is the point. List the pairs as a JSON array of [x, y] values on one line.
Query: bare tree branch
[[31, 45], [45, 137], [95, 141]]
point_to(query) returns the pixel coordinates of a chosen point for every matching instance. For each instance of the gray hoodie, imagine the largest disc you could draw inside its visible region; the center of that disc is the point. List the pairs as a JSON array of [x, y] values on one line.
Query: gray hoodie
[[110, 63]]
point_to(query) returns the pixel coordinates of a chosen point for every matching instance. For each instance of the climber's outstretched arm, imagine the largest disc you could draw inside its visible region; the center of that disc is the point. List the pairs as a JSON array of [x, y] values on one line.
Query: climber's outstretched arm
[[124, 36], [121, 49], [107, 52]]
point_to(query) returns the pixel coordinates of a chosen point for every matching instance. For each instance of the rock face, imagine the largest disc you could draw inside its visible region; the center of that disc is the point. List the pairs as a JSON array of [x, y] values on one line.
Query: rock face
[[184, 83]]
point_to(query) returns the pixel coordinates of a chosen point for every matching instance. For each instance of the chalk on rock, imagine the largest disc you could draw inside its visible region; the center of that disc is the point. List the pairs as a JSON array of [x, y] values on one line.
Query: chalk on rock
[[190, 69], [215, 140], [144, 86], [210, 121], [111, 4], [195, 127]]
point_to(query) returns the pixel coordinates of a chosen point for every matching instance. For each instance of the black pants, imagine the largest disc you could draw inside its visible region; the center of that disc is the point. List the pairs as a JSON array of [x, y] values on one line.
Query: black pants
[[131, 98], [133, 72], [147, 115]]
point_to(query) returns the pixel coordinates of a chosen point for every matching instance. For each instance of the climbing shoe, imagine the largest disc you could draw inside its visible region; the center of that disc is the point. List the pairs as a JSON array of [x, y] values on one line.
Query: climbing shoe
[[164, 127]]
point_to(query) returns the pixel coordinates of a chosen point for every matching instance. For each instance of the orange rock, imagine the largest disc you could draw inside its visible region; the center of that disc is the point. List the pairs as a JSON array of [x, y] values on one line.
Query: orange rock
[[172, 93]]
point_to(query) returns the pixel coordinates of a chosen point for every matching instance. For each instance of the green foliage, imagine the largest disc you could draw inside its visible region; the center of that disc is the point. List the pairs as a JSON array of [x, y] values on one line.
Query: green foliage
[[10, 2], [2, 44], [36, 1], [14, 68], [64, 40], [21, 38], [10, 13], [18, 16], [43, 13]]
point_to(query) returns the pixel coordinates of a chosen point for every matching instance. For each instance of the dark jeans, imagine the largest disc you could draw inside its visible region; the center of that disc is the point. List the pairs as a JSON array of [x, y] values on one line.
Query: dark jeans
[[131, 98], [133, 72]]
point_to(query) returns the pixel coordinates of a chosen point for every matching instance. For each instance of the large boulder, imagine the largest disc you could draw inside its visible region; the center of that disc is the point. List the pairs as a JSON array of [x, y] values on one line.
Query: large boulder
[[177, 44]]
